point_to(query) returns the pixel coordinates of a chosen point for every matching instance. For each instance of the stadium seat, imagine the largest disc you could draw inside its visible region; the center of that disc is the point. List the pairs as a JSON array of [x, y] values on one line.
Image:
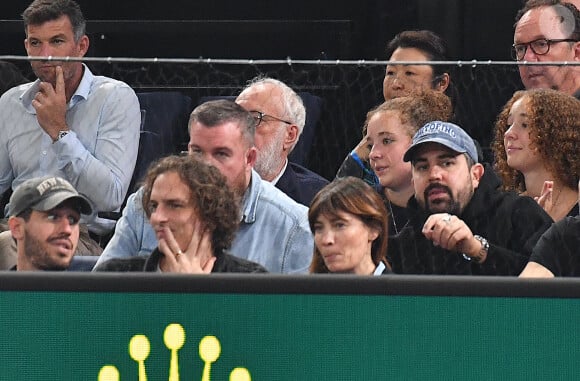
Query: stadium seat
[[83, 263], [163, 128], [164, 117]]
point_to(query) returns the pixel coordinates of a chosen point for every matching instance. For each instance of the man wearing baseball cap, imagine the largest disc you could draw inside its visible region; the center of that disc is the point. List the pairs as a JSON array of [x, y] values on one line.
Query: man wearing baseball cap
[[461, 223], [44, 221]]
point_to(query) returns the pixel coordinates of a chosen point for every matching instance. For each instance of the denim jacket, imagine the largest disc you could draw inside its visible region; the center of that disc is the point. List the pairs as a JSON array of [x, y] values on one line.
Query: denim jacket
[[273, 232]]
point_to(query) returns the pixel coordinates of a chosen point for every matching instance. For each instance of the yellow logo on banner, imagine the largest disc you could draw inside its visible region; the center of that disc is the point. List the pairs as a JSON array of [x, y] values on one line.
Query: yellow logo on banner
[[174, 338]]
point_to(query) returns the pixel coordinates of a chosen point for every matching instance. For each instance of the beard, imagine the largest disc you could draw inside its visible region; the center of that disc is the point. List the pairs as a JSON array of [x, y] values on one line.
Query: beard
[[38, 256], [270, 159], [69, 70], [447, 204], [239, 184]]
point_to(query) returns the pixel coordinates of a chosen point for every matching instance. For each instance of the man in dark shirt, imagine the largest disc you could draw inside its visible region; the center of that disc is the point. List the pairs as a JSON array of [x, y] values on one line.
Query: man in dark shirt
[[557, 252], [460, 223], [281, 117]]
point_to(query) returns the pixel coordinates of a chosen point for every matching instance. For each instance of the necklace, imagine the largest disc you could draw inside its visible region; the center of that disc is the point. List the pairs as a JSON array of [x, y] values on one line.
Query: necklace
[[392, 216], [557, 198]]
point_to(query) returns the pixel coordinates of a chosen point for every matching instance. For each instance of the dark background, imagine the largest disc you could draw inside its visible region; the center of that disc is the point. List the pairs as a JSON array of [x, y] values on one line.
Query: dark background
[[300, 29]]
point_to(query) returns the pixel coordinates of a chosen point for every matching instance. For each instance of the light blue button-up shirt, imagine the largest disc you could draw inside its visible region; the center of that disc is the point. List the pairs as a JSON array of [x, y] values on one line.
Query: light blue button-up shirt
[[97, 156], [274, 230]]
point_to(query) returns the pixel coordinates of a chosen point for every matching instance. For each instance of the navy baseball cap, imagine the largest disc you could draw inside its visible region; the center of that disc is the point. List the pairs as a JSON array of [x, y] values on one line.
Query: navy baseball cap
[[447, 134]]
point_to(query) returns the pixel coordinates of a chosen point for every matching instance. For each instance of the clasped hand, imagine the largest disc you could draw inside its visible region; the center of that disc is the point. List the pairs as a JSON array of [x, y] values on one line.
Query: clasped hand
[[451, 233]]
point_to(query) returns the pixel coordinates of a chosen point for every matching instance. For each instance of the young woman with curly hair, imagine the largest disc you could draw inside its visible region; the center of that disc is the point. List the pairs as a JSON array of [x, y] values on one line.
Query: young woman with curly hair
[[390, 128], [536, 149]]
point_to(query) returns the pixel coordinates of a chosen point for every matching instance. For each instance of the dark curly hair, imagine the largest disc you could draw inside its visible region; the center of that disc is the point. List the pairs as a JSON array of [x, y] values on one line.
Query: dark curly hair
[[215, 203], [416, 110], [554, 127], [351, 195]]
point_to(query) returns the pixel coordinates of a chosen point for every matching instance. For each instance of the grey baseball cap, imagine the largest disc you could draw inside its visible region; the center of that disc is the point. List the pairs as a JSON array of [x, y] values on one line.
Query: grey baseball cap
[[45, 193], [448, 134]]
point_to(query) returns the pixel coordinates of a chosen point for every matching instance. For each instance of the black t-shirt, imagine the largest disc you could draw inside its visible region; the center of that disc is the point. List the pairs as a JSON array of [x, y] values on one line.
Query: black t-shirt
[[558, 249]]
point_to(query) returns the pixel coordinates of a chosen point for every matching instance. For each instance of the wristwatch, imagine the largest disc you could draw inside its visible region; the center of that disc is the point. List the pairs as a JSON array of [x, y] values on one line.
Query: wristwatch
[[62, 134], [482, 252]]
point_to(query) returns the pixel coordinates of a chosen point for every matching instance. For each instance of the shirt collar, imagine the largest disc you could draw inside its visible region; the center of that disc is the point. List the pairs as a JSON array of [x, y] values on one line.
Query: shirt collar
[[380, 268], [250, 199], [84, 87], [275, 180], [82, 91]]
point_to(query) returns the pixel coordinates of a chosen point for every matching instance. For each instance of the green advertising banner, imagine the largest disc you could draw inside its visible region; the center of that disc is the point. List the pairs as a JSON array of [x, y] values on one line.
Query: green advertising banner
[[128, 335]]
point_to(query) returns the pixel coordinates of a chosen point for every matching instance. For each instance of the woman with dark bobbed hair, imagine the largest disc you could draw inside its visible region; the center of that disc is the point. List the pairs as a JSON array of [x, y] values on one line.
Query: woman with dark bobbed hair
[[349, 223]]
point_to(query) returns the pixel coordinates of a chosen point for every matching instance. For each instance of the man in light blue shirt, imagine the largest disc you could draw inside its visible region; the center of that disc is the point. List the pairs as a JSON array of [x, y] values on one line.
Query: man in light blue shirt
[[69, 122], [274, 229]]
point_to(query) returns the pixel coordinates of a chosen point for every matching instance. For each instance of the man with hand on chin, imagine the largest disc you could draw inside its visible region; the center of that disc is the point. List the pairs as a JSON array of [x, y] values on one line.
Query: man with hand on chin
[[460, 222], [195, 216], [273, 229], [68, 123]]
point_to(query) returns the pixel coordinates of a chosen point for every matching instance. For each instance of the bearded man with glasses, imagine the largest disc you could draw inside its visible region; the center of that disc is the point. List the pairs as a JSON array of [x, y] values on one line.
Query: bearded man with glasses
[[280, 117], [548, 30]]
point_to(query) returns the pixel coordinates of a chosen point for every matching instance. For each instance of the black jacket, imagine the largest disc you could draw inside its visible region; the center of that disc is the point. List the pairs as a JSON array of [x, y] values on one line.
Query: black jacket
[[300, 184], [225, 263], [512, 224]]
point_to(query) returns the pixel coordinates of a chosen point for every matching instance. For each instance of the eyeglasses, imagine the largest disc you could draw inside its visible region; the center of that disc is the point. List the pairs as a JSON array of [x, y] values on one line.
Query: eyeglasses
[[540, 47], [259, 118]]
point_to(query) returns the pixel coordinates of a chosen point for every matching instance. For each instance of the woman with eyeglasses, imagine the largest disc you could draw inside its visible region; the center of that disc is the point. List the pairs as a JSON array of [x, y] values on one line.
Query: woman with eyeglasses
[[349, 223], [536, 149]]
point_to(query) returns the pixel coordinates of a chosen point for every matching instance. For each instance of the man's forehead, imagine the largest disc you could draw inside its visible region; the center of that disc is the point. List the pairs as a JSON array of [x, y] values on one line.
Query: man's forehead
[[262, 97], [57, 26], [225, 135], [433, 150], [223, 130], [546, 22], [170, 192]]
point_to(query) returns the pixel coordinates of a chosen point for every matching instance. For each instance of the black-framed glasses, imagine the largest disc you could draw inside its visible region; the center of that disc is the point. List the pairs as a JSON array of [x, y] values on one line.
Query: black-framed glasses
[[540, 47], [260, 117]]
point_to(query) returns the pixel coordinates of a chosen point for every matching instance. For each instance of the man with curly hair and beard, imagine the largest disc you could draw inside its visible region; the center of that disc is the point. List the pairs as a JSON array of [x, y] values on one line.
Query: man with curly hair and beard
[[195, 217]]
